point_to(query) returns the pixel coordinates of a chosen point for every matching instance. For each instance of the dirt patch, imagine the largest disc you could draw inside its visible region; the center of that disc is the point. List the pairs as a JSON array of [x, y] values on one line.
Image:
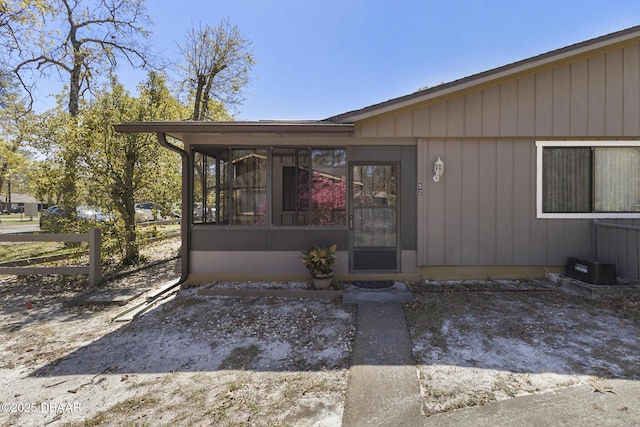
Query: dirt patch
[[487, 341], [191, 360]]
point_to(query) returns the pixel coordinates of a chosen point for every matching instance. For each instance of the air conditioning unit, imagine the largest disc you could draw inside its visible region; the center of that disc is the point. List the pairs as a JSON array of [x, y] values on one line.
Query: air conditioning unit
[[593, 272]]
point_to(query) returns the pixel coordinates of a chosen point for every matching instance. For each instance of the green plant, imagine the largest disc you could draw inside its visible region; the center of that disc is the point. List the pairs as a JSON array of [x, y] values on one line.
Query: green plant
[[319, 260]]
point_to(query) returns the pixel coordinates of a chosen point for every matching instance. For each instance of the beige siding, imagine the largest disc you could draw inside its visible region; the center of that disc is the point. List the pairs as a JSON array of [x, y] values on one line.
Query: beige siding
[[594, 97], [487, 202], [482, 212], [597, 94], [470, 204], [579, 98], [631, 84]]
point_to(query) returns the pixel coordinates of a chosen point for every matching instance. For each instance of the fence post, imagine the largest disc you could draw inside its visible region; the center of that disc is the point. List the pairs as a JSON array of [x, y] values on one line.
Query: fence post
[[95, 265]]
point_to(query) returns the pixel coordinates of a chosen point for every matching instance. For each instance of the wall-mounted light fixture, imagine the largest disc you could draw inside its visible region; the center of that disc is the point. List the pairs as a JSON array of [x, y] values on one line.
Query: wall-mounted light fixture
[[438, 169]]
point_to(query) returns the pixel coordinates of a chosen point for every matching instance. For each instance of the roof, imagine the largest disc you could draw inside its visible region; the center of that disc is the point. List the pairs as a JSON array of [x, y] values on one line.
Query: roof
[[588, 47], [23, 198]]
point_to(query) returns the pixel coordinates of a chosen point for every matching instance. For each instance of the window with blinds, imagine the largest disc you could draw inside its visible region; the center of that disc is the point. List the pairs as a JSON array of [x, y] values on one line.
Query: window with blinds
[[588, 179]]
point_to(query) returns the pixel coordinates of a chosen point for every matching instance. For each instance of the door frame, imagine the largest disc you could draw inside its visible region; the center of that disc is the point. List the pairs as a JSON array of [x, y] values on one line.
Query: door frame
[[350, 212]]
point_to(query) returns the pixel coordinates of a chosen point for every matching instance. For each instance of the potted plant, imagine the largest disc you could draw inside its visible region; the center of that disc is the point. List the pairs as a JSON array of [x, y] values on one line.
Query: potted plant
[[319, 260]]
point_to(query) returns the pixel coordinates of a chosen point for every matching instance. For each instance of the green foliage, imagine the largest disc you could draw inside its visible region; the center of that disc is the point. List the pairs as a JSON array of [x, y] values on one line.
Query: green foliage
[[122, 169], [14, 126], [319, 260], [113, 170], [55, 136]]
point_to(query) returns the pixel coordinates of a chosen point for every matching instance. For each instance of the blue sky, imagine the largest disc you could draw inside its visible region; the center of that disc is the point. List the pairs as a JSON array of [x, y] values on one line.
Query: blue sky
[[318, 59]]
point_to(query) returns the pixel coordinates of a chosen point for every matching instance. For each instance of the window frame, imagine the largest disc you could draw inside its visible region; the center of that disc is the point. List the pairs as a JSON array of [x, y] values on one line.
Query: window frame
[[540, 145], [270, 189], [228, 188], [296, 150]]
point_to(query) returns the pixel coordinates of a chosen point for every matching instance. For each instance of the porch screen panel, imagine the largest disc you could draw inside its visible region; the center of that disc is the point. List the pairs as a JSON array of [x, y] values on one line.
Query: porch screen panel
[[329, 187], [303, 189], [249, 186], [617, 179], [217, 201], [566, 179], [210, 204], [198, 187]]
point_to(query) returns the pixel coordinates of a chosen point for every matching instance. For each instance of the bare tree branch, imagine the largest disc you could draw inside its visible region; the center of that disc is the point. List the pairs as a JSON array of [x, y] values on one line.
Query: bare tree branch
[[217, 65], [95, 34]]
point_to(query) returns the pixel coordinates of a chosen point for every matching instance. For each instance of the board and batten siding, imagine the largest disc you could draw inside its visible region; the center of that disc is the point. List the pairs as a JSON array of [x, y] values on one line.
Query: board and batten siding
[[598, 96], [482, 212]]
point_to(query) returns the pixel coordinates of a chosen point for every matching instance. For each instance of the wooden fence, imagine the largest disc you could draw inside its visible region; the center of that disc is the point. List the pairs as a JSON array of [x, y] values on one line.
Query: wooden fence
[[619, 244], [93, 237]]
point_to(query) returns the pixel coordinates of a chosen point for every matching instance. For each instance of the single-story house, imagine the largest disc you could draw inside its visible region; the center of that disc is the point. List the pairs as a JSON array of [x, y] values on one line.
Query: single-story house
[[505, 173], [18, 202]]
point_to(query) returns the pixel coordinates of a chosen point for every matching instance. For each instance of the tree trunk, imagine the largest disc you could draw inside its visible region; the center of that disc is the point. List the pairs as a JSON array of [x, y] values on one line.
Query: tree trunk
[[132, 253], [197, 104]]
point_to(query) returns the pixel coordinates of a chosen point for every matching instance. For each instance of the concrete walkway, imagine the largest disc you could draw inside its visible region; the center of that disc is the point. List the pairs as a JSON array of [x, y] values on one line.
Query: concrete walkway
[[383, 387], [616, 405]]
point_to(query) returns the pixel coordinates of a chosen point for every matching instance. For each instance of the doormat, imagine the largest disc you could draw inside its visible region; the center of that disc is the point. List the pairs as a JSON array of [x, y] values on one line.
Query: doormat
[[373, 284]]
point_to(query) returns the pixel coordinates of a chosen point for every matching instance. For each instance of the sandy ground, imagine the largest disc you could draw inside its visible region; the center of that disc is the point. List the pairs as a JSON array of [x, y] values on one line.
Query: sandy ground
[[202, 360], [486, 341], [192, 360]]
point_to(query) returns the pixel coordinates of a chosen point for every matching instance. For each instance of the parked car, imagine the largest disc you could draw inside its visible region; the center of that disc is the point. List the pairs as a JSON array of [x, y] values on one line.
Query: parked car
[[146, 211], [50, 218]]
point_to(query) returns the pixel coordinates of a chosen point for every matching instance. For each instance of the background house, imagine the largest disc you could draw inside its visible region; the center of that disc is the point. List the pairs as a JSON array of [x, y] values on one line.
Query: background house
[[18, 202]]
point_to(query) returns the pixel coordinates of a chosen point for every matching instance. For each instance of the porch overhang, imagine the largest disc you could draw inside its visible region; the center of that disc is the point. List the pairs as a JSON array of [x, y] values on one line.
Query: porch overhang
[[182, 130]]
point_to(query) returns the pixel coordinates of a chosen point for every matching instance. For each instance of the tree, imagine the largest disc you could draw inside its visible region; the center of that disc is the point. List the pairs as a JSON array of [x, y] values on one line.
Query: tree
[[82, 39], [125, 168], [217, 66], [54, 136], [14, 124]]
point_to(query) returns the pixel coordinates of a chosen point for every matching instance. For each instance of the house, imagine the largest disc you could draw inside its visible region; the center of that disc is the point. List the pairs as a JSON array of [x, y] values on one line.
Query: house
[[18, 201], [530, 157]]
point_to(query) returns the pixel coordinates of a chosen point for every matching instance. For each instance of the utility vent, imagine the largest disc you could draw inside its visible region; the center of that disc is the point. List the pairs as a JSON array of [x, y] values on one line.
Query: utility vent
[[594, 272]]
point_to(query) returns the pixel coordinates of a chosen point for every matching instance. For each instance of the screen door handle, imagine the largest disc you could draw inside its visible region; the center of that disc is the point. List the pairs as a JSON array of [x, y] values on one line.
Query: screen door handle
[[351, 222]]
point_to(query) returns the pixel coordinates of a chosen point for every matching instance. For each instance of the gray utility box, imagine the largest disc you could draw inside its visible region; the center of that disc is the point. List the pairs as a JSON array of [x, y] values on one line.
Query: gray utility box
[[594, 272]]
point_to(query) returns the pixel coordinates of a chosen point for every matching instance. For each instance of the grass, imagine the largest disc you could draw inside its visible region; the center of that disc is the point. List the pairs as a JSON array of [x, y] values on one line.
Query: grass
[[13, 251], [426, 316], [241, 357], [16, 219], [128, 408]]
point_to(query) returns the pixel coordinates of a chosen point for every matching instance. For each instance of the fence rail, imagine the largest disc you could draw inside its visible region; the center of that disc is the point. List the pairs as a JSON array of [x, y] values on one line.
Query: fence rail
[[619, 244], [93, 237]]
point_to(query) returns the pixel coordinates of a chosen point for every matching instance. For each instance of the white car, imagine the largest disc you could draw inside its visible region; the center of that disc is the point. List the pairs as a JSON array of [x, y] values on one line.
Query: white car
[[148, 212]]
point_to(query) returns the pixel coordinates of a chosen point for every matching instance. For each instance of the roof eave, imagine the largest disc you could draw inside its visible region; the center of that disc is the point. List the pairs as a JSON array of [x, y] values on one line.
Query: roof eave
[[237, 128]]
